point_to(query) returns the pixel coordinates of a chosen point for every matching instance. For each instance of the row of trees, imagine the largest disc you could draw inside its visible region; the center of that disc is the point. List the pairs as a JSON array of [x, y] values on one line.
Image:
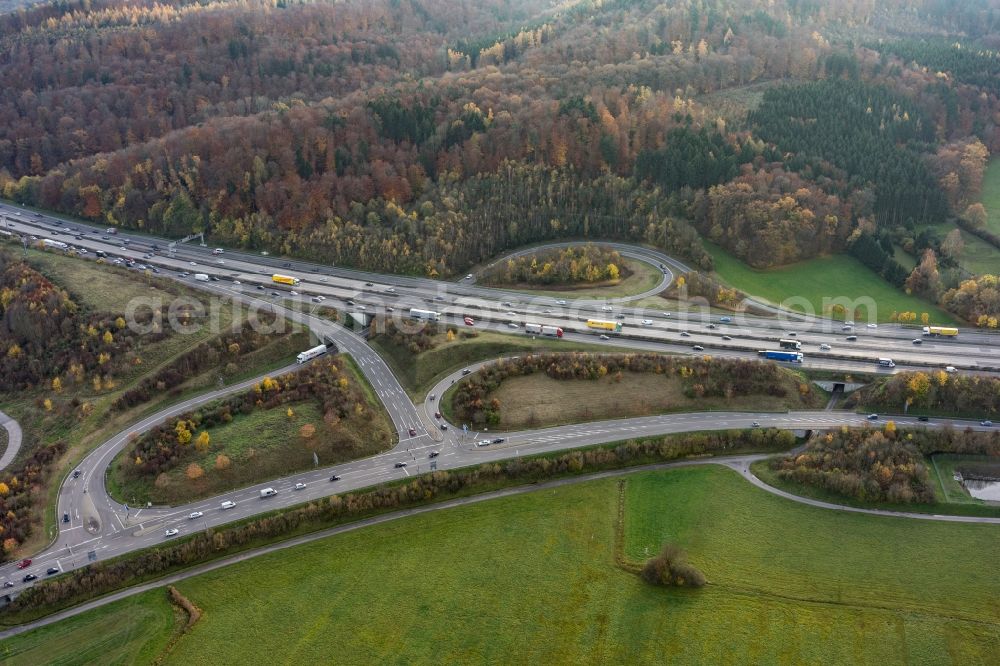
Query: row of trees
[[701, 377], [936, 390], [572, 265], [104, 577], [18, 486]]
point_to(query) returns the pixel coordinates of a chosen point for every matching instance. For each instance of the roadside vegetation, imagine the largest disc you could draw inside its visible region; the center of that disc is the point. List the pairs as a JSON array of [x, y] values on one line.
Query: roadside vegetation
[[933, 392], [550, 388], [783, 584], [73, 373], [281, 425], [421, 359]]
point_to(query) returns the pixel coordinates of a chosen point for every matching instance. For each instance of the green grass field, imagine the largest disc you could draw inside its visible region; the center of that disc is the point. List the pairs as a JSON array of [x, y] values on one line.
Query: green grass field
[[533, 579], [537, 400], [978, 256], [130, 631], [418, 373], [991, 195], [642, 278], [811, 281]]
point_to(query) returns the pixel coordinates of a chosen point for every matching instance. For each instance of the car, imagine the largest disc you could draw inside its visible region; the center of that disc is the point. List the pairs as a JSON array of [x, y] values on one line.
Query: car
[[845, 327], [350, 301], [647, 322], [988, 424], [698, 348], [173, 531], [432, 396], [469, 276], [667, 314], [851, 338], [369, 284], [433, 454], [294, 293], [125, 249], [727, 337], [29, 577], [218, 251], [923, 419], [511, 314], [604, 337], [24, 564], [916, 341], [725, 320], [105, 238], [193, 263], [825, 347], [322, 279], [260, 287], [77, 237], [511, 324], [400, 465], [791, 334], [507, 304], [444, 426], [437, 415], [335, 477], [466, 371], [299, 486], [8, 583], [498, 440], [619, 316], [321, 297], [275, 294], [220, 261], [228, 504], [194, 515], [849, 322], [469, 322], [390, 290], [76, 474], [712, 326], [413, 432], [547, 312], [755, 424], [950, 369], [362, 307], [390, 309], [872, 325], [561, 302], [873, 417], [685, 334], [52, 571], [607, 308], [315, 299], [287, 264], [65, 517], [483, 442]]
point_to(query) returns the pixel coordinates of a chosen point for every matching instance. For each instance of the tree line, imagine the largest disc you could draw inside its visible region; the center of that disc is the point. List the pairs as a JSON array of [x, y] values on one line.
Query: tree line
[[587, 264]]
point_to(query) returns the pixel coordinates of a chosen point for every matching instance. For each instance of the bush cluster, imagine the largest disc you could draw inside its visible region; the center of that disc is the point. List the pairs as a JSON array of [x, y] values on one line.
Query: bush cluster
[[671, 568], [936, 391], [103, 577], [701, 377], [17, 487], [577, 264]]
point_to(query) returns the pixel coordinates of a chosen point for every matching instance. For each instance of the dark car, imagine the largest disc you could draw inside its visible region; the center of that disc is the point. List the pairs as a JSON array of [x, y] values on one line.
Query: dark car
[[30, 577], [8, 583], [444, 426], [922, 418], [335, 477], [713, 326], [433, 454], [851, 338], [260, 287], [286, 264], [52, 571], [369, 284], [698, 348], [498, 440], [275, 294], [413, 432], [76, 473], [65, 517], [400, 464], [873, 417]]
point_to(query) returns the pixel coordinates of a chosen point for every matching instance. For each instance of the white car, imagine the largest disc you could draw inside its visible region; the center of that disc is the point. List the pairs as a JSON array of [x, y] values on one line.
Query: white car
[[560, 302], [849, 322], [604, 337], [172, 532], [872, 325], [228, 504], [469, 276], [511, 314], [647, 322], [950, 369], [390, 290], [190, 262], [607, 308], [824, 347], [194, 515], [511, 324], [666, 314], [237, 282], [300, 486]]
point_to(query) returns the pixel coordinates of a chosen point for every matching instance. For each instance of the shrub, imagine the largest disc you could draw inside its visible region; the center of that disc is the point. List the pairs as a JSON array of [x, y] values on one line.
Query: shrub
[[671, 568]]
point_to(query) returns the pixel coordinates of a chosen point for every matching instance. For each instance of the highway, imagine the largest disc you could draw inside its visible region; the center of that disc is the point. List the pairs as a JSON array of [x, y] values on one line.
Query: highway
[[99, 528]]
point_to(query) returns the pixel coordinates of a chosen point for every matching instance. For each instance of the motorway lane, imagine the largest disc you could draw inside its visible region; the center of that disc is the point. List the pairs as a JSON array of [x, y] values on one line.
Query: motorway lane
[[13, 429]]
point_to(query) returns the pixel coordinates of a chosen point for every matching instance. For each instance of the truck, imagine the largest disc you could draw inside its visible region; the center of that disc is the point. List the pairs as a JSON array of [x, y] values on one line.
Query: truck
[[428, 315], [268, 492], [201, 277], [59, 245], [308, 354], [944, 331], [786, 356], [887, 363], [790, 344], [539, 329], [284, 279], [601, 325]]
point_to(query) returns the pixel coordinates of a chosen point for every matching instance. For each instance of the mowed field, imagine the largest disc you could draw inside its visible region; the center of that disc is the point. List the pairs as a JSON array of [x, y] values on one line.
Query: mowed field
[[838, 276], [538, 400], [533, 579], [991, 195]]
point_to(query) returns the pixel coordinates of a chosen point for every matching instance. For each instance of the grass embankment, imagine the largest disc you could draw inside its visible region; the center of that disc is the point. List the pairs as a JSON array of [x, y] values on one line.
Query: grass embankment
[[838, 276], [537, 400], [419, 372], [262, 445], [978, 256], [131, 631], [944, 505], [640, 278], [991, 196], [789, 584]]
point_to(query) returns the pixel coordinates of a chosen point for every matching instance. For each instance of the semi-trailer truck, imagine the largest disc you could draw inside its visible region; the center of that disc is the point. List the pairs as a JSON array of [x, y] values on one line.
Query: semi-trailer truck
[[787, 356], [284, 279], [429, 315], [945, 331], [308, 354], [600, 325], [538, 329]]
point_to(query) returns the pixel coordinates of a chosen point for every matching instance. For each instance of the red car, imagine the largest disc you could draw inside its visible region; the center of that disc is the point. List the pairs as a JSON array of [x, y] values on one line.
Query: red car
[[469, 322], [413, 432], [24, 564], [437, 415]]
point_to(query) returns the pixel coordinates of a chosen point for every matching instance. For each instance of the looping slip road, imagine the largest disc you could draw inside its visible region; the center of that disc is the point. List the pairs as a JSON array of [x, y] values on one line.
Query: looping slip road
[[13, 429]]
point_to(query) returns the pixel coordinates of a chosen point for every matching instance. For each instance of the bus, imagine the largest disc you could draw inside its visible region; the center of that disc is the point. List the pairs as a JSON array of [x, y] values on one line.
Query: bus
[[428, 315], [790, 344], [284, 279], [600, 325]]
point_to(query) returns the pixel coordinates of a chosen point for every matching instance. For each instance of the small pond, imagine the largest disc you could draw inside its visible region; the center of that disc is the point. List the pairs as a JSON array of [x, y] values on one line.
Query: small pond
[[984, 490]]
